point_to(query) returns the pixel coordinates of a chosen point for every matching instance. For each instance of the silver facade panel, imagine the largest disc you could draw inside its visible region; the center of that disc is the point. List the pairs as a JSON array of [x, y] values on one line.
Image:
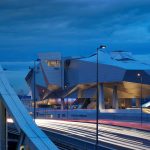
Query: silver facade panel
[[80, 72]]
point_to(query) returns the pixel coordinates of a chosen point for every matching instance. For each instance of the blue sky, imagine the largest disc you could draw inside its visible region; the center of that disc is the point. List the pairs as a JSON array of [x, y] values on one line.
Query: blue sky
[[16, 73], [77, 27], [28, 27]]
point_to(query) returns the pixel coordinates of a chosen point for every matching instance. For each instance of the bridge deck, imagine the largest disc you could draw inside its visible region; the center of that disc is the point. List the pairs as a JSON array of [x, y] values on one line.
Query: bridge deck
[[21, 116]]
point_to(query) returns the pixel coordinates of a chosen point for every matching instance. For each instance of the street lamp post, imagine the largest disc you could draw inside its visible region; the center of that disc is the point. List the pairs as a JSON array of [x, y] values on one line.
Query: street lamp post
[[141, 93], [34, 87], [97, 93], [65, 87]]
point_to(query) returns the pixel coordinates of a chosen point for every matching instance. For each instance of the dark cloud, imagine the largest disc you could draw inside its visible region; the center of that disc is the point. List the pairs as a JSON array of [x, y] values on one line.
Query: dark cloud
[[76, 25]]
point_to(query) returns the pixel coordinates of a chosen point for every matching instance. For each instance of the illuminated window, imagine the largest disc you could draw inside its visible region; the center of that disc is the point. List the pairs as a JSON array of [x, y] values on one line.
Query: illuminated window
[[53, 63]]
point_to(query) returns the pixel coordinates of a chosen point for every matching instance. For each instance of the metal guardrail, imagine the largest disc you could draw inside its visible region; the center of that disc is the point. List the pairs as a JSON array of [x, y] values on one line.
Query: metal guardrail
[[72, 143], [37, 139]]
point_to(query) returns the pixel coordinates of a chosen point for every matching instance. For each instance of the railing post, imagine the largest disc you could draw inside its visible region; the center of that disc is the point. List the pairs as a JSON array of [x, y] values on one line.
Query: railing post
[[3, 127], [21, 141]]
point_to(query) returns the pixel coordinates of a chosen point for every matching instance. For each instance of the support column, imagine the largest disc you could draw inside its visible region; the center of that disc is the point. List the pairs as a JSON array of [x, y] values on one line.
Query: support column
[[101, 96], [62, 103], [80, 93], [137, 103], [115, 98], [3, 127]]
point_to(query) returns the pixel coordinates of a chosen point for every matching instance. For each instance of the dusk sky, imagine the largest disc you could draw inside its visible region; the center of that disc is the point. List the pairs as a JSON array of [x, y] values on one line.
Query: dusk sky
[[72, 27]]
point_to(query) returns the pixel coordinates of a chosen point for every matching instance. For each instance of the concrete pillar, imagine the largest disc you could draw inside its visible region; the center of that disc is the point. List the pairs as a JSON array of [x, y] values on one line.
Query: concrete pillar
[[137, 103], [101, 96], [115, 98], [128, 103], [80, 94], [62, 103], [3, 127]]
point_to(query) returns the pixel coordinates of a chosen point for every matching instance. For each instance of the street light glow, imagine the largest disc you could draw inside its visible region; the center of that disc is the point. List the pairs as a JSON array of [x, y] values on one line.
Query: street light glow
[[138, 74]]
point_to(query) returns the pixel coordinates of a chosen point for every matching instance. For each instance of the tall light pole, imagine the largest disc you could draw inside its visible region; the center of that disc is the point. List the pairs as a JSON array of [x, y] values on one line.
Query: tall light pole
[[97, 93], [141, 93], [34, 87]]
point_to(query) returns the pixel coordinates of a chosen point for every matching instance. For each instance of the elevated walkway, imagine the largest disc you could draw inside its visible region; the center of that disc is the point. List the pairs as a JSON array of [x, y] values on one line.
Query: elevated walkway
[[37, 139]]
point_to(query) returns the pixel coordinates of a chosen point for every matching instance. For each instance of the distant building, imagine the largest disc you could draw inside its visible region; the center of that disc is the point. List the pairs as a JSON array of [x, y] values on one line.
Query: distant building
[[123, 80]]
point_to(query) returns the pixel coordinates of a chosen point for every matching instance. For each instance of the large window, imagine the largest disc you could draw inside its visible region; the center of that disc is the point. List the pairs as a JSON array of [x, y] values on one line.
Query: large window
[[53, 63]]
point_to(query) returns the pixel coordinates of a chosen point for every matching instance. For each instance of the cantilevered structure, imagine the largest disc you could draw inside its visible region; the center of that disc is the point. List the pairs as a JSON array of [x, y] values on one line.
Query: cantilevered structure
[[124, 81]]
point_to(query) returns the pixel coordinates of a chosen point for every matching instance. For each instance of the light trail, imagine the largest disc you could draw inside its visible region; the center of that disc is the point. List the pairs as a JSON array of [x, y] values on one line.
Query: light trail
[[124, 137]]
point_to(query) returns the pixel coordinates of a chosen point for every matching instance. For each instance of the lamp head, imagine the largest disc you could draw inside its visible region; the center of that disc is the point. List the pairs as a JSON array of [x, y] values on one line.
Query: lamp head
[[102, 47], [139, 75], [38, 59]]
